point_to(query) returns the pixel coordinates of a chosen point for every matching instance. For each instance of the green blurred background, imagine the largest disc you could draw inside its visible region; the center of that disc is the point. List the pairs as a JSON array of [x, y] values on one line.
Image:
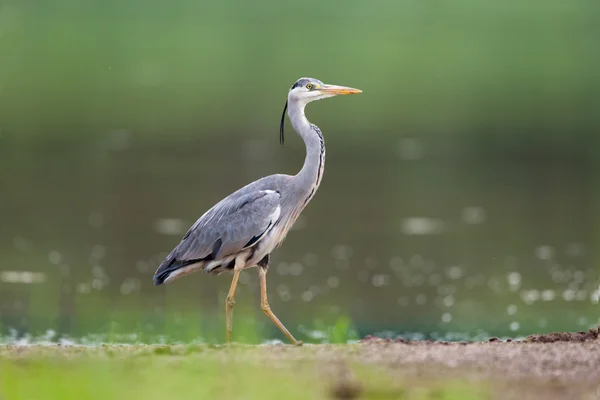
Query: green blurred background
[[460, 197]]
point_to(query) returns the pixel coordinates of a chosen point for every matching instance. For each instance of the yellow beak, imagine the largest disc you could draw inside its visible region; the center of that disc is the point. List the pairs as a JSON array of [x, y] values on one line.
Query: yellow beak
[[335, 90]]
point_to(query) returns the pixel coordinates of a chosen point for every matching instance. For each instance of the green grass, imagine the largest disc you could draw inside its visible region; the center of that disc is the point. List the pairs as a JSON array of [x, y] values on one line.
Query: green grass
[[249, 327], [204, 372], [146, 376]]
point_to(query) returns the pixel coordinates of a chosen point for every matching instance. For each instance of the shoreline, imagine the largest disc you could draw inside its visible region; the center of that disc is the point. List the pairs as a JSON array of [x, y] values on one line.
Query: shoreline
[[551, 366]]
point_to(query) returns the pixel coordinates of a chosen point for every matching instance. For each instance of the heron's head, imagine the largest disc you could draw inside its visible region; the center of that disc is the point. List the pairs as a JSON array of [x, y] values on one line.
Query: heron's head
[[309, 89], [305, 90]]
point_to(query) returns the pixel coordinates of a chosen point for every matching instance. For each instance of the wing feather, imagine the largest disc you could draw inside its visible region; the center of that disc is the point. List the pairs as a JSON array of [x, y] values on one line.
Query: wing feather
[[235, 223]]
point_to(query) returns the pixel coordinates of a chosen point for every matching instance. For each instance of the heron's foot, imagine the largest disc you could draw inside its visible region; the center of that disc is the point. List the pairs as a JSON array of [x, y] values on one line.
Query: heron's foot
[[298, 343], [229, 303]]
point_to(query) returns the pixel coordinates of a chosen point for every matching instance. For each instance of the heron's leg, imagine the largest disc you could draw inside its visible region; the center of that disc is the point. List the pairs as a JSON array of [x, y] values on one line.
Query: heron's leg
[[230, 302], [262, 274]]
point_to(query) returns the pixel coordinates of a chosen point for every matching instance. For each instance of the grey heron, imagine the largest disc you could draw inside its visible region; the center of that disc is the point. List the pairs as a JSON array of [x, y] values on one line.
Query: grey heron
[[243, 229]]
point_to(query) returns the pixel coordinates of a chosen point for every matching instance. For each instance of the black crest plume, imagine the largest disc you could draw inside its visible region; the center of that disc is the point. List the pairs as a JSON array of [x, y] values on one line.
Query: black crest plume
[[281, 126]]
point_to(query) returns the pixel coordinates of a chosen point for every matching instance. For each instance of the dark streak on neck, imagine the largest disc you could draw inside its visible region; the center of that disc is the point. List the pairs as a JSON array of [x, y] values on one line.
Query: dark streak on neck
[[321, 160]]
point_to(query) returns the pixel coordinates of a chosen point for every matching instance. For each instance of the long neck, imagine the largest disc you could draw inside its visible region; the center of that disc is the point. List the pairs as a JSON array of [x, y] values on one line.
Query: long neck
[[308, 179]]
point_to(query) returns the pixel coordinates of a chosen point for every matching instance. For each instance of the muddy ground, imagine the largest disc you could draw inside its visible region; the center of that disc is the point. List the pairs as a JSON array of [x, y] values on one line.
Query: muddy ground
[[560, 365], [549, 366]]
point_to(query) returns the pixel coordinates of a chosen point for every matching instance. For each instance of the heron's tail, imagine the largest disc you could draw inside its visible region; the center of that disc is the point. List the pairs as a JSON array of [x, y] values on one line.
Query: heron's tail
[[171, 268]]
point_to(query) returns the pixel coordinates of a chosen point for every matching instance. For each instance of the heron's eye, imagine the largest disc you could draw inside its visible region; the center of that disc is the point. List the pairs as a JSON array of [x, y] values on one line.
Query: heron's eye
[[309, 86]]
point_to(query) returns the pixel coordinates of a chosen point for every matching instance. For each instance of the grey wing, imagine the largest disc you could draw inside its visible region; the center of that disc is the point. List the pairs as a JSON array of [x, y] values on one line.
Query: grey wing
[[235, 223]]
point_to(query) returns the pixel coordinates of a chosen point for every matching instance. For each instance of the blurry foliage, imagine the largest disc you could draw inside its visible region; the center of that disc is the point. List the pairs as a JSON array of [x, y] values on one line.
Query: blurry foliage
[[515, 69], [342, 331]]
